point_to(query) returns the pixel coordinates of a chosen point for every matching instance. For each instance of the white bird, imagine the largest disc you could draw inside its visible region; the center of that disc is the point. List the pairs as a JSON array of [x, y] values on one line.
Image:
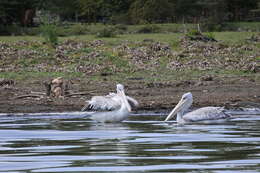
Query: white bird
[[207, 114], [116, 106]]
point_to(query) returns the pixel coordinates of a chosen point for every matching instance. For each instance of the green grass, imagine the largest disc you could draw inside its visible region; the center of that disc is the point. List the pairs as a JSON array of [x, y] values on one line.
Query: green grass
[[172, 38], [27, 75], [20, 38], [233, 37], [244, 26], [147, 76], [73, 29]]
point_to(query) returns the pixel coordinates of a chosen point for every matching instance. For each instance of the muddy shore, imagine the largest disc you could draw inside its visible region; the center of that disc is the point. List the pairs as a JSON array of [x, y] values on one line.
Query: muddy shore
[[229, 92]]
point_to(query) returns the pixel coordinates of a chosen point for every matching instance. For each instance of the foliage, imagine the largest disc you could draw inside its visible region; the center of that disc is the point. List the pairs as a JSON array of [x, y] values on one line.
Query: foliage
[[106, 32], [78, 29], [49, 33], [210, 13], [193, 32], [149, 29], [148, 11], [210, 35], [121, 29]]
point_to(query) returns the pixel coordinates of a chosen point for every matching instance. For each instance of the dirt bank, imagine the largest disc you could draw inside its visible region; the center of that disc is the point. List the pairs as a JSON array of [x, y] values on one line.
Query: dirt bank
[[230, 92]]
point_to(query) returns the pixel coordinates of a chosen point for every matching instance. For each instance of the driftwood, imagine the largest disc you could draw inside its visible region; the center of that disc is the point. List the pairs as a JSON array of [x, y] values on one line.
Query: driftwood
[[29, 95], [38, 93], [76, 94]]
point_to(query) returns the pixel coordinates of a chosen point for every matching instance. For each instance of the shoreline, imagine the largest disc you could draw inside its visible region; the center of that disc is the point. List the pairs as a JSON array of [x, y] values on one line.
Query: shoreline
[[151, 97]]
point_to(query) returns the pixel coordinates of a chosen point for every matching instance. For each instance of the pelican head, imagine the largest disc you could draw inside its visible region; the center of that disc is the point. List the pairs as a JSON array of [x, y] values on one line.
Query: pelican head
[[183, 105], [120, 87], [121, 92]]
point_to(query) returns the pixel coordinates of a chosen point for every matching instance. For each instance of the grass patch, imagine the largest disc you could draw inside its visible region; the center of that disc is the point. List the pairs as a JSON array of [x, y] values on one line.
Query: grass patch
[[172, 39], [27, 76]]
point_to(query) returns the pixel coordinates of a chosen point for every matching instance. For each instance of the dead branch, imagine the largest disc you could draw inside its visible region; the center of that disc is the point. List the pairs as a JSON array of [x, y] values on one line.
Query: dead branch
[[38, 93], [76, 94], [29, 95]]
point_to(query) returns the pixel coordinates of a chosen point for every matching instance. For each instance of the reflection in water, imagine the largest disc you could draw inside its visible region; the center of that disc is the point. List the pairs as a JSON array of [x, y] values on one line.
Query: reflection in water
[[143, 143]]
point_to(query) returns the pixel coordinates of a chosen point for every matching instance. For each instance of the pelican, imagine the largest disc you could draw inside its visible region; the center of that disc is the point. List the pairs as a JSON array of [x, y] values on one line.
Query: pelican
[[206, 114], [115, 106]]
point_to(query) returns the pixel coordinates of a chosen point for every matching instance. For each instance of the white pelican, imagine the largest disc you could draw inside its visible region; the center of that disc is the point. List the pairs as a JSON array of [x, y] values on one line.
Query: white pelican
[[115, 106], [206, 114]]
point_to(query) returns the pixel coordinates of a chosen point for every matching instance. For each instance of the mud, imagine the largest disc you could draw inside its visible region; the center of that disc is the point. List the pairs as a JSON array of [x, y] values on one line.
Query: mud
[[29, 97]]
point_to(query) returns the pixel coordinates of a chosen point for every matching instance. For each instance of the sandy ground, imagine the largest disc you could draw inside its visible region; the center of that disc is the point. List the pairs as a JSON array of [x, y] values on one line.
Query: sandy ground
[[228, 92]]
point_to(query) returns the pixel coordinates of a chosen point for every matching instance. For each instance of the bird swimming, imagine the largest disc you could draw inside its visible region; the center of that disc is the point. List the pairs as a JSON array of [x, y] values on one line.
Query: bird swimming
[[114, 107], [207, 114]]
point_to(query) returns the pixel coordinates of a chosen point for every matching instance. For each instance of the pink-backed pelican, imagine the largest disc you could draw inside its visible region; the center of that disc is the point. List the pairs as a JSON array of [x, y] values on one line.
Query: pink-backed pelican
[[114, 107], [206, 114]]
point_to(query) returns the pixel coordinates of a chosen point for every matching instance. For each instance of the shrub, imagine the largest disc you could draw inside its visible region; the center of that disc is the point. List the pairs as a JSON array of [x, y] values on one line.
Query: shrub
[[210, 35], [149, 29], [78, 29], [13, 29], [212, 24], [193, 32], [121, 29], [49, 33], [106, 32], [32, 31]]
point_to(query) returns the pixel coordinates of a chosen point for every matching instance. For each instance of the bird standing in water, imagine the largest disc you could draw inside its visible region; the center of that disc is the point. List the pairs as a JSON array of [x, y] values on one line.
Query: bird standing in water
[[205, 114], [114, 107]]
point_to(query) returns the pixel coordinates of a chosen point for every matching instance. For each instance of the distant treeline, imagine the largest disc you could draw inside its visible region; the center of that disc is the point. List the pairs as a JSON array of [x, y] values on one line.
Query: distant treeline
[[131, 11]]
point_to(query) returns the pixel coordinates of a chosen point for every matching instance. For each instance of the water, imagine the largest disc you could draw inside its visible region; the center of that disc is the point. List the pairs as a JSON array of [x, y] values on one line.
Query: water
[[69, 142]]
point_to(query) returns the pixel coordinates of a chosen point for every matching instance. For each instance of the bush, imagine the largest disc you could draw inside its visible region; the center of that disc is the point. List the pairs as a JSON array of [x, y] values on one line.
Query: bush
[[193, 32], [49, 33], [32, 31], [78, 29], [120, 29], [210, 35], [212, 24], [149, 29], [120, 19], [106, 32], [13, 29]]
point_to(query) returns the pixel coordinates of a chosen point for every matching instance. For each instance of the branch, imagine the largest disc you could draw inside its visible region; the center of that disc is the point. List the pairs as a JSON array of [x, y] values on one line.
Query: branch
[[76, 94], [24, 96]]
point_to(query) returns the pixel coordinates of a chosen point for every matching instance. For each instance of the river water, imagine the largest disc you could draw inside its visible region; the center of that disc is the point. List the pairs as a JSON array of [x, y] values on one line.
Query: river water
[[69, 142]]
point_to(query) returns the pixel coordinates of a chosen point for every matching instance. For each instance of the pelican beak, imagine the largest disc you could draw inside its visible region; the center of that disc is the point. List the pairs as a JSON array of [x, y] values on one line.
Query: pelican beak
[[176, 109], [126, 101]]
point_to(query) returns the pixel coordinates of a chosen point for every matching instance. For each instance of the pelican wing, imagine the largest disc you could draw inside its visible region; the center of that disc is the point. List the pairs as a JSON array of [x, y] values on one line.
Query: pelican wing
[[206, 113], [132, 101], [109, 102]]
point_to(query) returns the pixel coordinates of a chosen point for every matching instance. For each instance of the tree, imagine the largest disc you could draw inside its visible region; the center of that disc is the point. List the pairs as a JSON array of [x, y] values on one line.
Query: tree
[[142, 11], [15, 11], [89, 9], [239, 9], [186, 9]]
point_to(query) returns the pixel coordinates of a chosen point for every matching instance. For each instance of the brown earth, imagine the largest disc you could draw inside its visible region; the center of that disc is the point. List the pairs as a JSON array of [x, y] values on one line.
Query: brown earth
[[29, 97]]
